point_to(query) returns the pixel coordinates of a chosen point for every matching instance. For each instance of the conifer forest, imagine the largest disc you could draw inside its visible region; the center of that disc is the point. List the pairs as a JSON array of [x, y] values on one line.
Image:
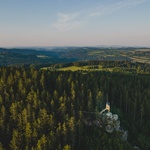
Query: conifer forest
[[45, 109]]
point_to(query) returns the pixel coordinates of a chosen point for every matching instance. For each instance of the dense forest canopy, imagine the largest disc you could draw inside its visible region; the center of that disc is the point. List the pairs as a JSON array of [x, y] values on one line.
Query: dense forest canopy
[[44, 109]]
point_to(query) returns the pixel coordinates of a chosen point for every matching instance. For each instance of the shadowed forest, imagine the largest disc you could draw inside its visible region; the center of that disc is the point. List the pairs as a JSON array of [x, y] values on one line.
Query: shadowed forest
[[43, 109]]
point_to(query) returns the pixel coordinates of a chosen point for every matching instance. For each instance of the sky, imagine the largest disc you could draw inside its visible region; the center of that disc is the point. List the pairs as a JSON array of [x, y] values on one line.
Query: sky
[[74, 23]]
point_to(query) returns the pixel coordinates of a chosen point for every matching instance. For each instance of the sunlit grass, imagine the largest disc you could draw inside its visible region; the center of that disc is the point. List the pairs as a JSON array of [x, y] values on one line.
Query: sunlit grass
[[71, 68], [85, 68]]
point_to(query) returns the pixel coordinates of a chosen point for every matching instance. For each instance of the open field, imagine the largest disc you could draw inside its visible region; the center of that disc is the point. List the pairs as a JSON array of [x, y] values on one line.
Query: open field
[[140, 59], [85, 68]]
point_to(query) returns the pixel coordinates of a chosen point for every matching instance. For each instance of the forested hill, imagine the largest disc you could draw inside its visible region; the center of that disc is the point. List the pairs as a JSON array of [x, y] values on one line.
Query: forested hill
[[28, 56], [43, 109], [23, 56]]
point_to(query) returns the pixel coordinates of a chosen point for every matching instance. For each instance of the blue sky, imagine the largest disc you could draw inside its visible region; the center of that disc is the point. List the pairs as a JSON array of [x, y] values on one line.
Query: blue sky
[[74, 23]]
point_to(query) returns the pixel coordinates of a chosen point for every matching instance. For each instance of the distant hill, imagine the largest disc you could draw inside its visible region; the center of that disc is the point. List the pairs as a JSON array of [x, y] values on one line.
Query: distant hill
[[29, 56], [23, 56]]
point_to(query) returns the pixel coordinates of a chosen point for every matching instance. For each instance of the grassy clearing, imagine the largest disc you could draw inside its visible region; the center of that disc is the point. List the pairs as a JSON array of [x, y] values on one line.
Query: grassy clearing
[[138, 59], [95, 53], [46, 68], [85, 68], [71, 68], [42, 56], [141, 59]]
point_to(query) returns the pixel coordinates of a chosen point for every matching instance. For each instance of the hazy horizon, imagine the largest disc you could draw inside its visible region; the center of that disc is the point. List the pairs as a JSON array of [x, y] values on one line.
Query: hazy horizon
[[36, 23], [53, 47]]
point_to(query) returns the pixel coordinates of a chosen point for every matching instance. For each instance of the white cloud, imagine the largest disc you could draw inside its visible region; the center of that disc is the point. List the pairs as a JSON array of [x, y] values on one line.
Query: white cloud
[[115, 7], [72, 21], [66, 22]]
